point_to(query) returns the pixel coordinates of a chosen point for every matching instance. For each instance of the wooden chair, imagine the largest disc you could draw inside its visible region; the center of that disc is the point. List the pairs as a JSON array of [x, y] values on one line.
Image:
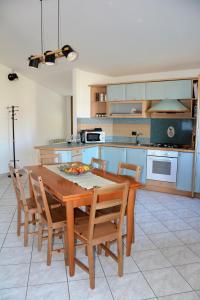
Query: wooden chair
[[99, 229], [136, 176], [28, 205], [53, 219], [49, 158], [134, 168], [100, 162]]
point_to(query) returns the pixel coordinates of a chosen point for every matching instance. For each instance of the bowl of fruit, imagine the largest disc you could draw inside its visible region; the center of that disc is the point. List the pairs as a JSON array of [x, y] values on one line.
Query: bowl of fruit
[[75, 168]]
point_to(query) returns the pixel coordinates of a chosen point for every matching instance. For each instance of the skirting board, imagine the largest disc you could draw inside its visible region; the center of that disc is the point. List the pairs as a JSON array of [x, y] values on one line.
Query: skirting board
[[165, 187]]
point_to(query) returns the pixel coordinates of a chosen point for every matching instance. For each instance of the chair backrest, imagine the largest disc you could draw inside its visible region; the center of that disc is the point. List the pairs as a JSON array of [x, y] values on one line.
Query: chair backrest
[[100, 162], [18, 187], [48, 158], [135, 168], [112, 196], [40, 197]]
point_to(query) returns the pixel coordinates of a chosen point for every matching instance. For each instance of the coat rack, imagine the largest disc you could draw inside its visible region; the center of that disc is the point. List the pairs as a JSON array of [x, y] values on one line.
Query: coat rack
[[12, 111]]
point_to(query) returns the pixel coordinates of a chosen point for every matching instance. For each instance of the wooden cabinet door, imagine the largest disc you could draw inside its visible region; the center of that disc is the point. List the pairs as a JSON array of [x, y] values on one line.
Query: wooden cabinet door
[[113, 156], [88, 153], [116, 92], [137, 157], [184, 172], [135, 91]]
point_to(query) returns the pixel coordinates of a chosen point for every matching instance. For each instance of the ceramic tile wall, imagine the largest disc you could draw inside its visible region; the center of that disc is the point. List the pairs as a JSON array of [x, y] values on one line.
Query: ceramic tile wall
[[119, 130]]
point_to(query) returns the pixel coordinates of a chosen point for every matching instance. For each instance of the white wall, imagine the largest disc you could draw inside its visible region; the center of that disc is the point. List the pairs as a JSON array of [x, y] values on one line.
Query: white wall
[[82, 80], [41, 116]]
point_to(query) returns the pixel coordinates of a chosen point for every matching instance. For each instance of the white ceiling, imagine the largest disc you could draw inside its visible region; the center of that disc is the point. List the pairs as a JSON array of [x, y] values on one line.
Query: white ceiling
[[113, 37]]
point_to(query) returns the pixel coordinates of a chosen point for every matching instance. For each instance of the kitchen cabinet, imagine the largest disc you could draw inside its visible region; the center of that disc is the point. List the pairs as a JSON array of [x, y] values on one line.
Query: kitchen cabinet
[[113, 156], [178, 89], [65, 156], [137, 157], [135, 91], [88, 153], [197, 173], [116, 92], [174, 89], [184, 172]]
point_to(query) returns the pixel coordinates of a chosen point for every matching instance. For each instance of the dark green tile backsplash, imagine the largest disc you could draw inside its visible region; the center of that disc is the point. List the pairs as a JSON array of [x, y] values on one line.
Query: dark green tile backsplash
[[183, 131]]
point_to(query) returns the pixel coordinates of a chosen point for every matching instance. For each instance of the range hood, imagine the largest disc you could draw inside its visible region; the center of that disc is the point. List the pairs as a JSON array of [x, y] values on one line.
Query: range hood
[[168, 106]]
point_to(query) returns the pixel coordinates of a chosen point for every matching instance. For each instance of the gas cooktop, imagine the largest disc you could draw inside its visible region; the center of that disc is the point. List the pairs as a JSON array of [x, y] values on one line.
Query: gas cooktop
[[167, 145]]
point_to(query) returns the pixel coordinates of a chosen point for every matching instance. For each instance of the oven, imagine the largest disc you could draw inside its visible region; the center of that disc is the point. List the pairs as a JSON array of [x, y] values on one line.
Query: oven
[[162, 165]]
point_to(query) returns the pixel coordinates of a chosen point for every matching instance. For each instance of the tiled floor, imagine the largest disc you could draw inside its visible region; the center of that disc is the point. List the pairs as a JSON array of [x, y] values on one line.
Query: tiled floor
[[164, 264]]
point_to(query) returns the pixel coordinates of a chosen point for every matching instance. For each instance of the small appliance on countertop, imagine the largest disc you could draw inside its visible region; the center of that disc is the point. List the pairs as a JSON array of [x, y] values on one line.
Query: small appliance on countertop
[[90, 136]]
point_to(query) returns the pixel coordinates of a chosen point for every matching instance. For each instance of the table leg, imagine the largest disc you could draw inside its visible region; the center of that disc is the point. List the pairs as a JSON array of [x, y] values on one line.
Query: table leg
[[130, 221], [70, 234]]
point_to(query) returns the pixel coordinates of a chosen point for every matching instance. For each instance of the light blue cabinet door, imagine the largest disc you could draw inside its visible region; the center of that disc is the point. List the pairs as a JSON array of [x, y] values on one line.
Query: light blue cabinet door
[[178, 89], [65, 156], [137, 157], [135, 91], [197, 174], [88, 153], [154, 90], [184, 172], [116, 92], [113, 156], [175, 89]]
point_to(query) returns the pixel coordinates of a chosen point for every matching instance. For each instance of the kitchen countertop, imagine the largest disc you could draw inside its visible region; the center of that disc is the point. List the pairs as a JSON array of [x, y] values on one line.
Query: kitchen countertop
[[74, 146]]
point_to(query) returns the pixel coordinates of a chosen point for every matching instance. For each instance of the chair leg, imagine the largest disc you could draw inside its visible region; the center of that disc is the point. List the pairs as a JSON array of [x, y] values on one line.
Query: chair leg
[[19, 219], [99, 250], [49, 250], [133, 236], [107, 244], [33, 219], [91, 265], [26, 221], [40, 233], [120, 256], [65, 247]]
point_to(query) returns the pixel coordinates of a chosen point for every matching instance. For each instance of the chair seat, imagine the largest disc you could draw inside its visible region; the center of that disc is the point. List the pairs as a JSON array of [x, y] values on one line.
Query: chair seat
[[58, 214], [31, 204], [101, 230], [51, 200]]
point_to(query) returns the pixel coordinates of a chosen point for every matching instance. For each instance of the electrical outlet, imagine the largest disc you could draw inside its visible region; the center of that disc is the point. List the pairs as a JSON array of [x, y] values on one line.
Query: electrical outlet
[[134, 133]]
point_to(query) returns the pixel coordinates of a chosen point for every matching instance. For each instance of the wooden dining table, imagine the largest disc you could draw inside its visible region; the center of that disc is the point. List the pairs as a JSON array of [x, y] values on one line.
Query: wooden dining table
[[72, 195]]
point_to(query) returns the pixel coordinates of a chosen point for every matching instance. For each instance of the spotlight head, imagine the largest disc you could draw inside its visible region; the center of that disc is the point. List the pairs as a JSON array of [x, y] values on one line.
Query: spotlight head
[[69, 53], [34, 62], [12, 76], [49, 58]]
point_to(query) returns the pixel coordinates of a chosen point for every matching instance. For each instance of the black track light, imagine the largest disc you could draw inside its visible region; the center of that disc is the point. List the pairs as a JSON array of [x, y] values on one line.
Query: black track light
[[49, 58], [69, 53], [34, 62]]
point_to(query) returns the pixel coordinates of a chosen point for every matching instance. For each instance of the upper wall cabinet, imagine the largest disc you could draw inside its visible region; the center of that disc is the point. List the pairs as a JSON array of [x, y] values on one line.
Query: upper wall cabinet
[[175, 89], [135, 91], [116, 92]]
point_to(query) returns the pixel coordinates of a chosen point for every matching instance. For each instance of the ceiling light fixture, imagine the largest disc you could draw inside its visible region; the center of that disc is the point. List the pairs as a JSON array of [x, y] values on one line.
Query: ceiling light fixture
[[49, 57]]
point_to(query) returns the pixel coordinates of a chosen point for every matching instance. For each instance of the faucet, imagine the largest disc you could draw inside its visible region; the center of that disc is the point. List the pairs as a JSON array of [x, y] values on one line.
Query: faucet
[[136, 137]]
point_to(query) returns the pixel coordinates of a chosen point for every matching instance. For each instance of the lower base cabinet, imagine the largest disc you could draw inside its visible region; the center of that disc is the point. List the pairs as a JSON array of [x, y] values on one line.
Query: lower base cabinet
[[197, 174], [88, 153], [113, 156], [65, 156], [132, 156], [138, 157], [184, 172]]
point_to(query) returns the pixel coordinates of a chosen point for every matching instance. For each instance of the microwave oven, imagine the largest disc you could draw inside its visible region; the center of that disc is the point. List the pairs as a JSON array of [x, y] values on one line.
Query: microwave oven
[[92, 137]]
